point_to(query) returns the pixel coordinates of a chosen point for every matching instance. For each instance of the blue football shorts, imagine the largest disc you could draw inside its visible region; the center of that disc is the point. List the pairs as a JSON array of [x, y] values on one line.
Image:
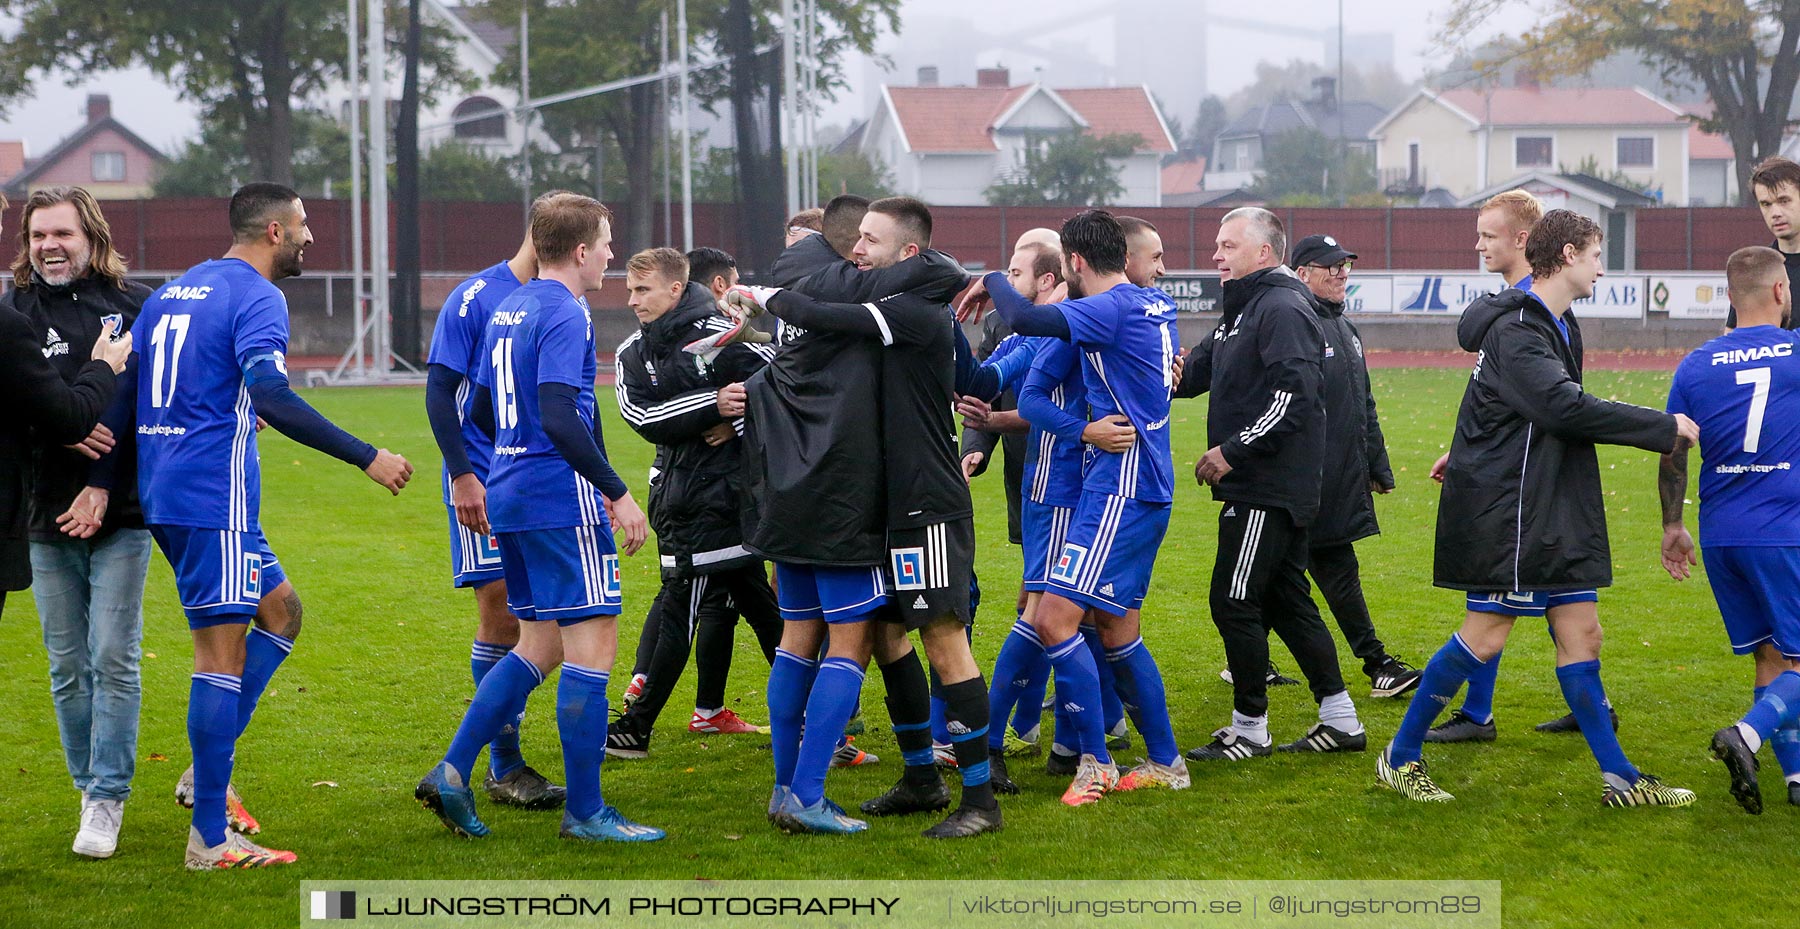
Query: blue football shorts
[[1526, 603], [1110, 552], [1045, 529], [834, 593], [220, 575], [566, 574], [1758, 591]]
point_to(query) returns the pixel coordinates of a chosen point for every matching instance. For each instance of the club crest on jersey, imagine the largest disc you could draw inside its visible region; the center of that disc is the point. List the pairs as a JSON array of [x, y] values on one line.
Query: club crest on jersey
[[1068, 564], [609, 566], [909, 568], [253, 576], [117, 322]]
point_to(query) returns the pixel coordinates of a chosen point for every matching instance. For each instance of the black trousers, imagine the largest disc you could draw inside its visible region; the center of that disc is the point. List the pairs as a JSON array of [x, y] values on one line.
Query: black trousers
[[700, 614], [1258, 586], [1335, 570]]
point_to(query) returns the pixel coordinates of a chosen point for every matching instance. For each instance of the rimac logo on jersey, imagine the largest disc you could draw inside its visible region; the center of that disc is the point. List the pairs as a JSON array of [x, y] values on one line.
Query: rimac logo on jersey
[[1068, 564], [909, 568], [1759, 353]]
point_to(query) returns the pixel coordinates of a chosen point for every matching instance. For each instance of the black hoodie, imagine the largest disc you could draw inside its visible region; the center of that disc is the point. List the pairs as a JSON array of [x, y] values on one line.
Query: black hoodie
[[1262, 366], [670, 397], [1521, 507]]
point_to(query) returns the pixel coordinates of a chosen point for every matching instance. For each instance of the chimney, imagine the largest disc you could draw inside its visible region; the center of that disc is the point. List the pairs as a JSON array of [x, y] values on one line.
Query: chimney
[[99, 107], [928, 76], [1325, 93], [993, 77]]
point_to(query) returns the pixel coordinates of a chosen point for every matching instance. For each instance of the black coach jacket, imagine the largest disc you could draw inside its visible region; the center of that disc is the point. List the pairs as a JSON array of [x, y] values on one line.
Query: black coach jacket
[[1355, 450], [39, 407], [1521, 507], [1261, 365], [68, 318], [670, 397]]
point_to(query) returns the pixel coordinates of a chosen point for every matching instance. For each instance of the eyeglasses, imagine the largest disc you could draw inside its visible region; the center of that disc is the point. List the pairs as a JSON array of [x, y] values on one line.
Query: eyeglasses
[[1341, 269]]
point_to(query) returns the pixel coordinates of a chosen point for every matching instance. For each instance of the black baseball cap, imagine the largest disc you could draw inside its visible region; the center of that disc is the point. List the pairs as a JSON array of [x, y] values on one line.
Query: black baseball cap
[[1321, 250]]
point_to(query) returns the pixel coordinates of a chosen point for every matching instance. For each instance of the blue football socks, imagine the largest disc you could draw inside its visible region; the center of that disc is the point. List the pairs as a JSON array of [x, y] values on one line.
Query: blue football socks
[[504, 755], [1140, 685], [1444, 675], [1078, 692], [790, 681], [212, 726], [1478, 703], [1587, 699], [581, 724], [498, 700], [263, 654], [834, 695]]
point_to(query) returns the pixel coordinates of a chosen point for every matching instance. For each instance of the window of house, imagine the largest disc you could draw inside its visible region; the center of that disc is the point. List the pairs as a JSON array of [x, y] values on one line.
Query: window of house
[[1637, 152], [471, 123], [109, 166], [1412, 162], [1532, 151]]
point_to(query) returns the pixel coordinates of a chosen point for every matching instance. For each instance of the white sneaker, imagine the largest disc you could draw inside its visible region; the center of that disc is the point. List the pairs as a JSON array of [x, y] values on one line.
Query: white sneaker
[[99, 835]]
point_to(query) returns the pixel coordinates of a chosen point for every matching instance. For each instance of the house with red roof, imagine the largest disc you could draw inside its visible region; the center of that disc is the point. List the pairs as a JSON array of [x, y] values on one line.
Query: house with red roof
[[947, 145], [111, 161], [1467, 139]]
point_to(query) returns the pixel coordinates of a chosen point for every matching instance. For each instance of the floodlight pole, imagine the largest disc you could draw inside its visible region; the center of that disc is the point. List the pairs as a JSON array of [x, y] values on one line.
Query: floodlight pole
[[378, 191], [790, 97], [356, 195], [525, 106], [687, 143]]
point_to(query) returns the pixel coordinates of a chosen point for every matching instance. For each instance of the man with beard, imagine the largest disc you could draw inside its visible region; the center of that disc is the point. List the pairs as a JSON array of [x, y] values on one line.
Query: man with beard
[[71, 284], [212, 359]]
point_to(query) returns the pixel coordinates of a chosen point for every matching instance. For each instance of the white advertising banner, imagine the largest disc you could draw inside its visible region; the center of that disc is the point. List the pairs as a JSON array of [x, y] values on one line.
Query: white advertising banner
[[1690, 297]]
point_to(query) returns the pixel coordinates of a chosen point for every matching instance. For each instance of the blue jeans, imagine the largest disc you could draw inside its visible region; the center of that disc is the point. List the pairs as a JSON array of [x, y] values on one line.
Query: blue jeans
[[90, 597]]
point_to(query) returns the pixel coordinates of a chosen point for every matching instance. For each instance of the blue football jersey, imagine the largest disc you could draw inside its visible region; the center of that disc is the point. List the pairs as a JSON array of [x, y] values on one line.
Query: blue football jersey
[[1128, 340], [539, 335], [456, 344], [1743, 389], [1053, 464], [196, 431]]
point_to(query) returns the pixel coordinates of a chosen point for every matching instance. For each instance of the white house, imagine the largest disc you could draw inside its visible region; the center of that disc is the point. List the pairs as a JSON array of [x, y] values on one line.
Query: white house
[[947, 145]]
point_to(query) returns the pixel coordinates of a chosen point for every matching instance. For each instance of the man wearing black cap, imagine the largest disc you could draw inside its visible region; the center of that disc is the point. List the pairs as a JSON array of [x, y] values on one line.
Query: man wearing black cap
[[1356, 466]]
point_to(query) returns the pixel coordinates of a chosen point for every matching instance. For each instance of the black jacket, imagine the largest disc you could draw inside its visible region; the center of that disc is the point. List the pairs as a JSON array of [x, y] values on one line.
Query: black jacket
[[671, 397], [814, 470], [1521, 507], [39, 407], [68, 319], [1355, 451], [1261, 364]]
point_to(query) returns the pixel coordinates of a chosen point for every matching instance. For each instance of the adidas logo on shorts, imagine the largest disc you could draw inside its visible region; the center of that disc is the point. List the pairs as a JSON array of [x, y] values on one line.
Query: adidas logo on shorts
[[920, 604], [1106, 590], [1230, 511]]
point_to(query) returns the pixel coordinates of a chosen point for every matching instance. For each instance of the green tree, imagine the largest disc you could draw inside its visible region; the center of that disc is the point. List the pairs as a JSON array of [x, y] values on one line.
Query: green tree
[[1744, 53], [1304, 168], [853, 172], [219, 161], [252, 64], [454, 171], [1069, 169]]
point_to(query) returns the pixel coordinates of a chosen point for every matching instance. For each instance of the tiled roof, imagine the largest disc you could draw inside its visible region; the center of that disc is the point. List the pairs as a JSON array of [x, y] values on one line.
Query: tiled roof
[[1559, 106], [12, 159], [961, 119], [1183, 176]]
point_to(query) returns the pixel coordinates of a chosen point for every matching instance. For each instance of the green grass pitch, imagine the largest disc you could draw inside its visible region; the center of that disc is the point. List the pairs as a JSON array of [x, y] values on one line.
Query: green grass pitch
[[381, 675]]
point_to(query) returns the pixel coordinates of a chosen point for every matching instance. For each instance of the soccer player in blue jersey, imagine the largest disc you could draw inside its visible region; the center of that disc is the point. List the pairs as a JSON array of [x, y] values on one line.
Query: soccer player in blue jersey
[[474, 553], [1128, 342], [1743, 389], [1521, 526], [553, 503], [211, 358]]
